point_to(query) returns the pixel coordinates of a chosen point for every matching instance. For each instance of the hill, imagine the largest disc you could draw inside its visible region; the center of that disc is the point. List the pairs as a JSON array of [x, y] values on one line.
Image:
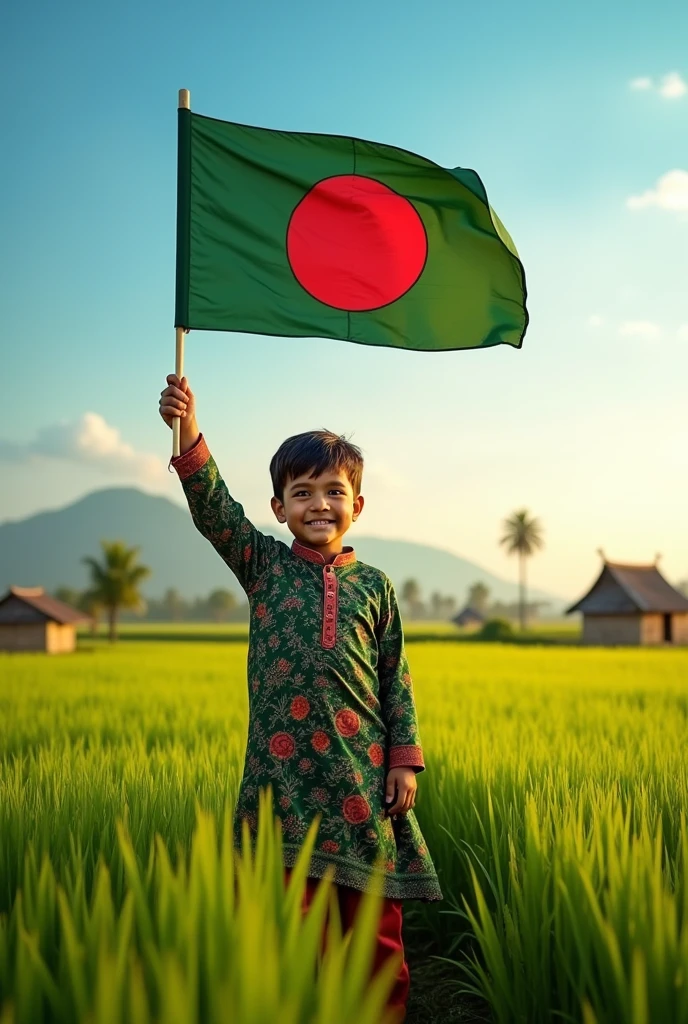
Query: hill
[[46, 550]]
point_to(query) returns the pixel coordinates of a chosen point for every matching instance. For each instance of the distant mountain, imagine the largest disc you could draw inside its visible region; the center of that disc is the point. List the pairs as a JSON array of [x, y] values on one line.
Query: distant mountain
[[46, 550]]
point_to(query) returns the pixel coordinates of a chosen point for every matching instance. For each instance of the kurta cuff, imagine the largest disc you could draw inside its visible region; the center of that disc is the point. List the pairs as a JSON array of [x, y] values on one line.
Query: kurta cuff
[[193, 460], [406, 757]]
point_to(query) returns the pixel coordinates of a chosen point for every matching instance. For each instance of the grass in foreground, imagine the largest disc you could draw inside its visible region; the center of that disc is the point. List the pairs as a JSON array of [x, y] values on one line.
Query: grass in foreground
[[553, 805], [221, 939]]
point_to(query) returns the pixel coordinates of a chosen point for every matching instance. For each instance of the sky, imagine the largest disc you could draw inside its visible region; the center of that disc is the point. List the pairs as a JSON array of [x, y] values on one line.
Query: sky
[[575, 117]]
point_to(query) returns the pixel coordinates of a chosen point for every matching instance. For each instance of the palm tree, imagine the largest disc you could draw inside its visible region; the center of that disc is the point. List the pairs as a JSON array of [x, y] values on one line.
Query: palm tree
[[115, 580], [523, 535]]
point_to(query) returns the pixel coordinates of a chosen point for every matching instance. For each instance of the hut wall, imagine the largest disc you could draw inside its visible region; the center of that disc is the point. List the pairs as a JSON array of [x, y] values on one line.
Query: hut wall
[[680, 627], [61, 638], [607, 630], [652, 629], [23, 636]]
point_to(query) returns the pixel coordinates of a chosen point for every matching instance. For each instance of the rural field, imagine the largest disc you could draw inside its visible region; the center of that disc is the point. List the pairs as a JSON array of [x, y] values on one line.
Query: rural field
[[554, 805]]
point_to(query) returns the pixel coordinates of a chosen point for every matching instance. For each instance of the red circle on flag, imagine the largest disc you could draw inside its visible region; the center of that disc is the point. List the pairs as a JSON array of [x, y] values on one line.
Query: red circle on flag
[[355, 244]]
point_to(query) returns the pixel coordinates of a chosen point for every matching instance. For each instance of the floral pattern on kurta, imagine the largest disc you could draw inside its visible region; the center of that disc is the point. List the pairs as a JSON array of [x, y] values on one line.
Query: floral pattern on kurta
[[331, 704]]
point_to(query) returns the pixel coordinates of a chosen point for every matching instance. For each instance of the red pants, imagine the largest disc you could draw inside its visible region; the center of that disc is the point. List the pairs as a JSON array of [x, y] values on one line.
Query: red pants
[[389, 938]]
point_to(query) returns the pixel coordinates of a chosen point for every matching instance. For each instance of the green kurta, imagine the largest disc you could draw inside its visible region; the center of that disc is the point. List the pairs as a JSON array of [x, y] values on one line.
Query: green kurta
[[331, 705]]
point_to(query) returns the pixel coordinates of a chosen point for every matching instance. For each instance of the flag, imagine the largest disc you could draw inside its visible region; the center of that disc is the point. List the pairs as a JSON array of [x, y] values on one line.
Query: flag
[[307, 235]]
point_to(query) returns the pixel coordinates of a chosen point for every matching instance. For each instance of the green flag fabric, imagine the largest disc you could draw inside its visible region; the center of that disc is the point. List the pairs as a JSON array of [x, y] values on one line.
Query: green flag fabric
[[305, 235]]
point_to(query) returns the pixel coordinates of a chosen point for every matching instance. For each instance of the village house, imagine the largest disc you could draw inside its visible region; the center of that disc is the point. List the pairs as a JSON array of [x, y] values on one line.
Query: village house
[[632, 604], [31, 620], [469, 617]]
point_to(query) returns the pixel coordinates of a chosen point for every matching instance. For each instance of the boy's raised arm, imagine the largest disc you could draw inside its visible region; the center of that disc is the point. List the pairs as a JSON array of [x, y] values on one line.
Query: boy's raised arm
[[221, 519], [396, 688]]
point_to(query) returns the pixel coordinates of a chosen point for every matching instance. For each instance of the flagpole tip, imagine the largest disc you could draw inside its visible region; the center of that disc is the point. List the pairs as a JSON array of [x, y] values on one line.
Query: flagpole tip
[[184, 99]]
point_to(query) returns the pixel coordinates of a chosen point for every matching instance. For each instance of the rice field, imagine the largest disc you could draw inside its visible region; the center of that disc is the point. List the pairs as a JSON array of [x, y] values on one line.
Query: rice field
[[554, 805]]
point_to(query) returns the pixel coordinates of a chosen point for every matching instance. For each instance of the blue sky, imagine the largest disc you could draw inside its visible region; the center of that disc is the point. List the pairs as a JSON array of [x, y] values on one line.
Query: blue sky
[[574, 116]]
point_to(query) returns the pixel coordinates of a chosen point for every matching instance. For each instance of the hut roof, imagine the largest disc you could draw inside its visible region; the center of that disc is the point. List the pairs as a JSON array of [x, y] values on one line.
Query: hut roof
[[468, 616], [630, 589], [30, 604]]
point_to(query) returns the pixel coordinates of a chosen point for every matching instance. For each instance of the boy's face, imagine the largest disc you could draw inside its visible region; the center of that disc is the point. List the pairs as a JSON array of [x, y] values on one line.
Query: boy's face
[[319, 510]]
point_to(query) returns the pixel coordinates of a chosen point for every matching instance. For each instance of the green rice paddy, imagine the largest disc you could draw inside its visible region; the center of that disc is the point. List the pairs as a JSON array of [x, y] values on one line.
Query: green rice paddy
[[554, 805]]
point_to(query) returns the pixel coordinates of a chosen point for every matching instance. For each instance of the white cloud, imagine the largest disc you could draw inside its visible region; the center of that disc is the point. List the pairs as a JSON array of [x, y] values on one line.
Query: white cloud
[[595, 321], [90, 440], [673, 86], [670, 193], [682, 332], [644, 329]]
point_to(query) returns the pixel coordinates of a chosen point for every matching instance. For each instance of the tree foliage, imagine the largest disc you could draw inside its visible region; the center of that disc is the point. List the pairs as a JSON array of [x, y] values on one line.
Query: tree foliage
[[115, 580], [522, 536]]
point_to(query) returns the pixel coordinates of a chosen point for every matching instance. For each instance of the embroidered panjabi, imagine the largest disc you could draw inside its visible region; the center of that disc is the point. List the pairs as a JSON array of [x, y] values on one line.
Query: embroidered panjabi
[[331, 706]]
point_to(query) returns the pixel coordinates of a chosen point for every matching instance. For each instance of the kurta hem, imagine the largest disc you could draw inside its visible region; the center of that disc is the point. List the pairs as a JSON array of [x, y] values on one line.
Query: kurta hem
[[394, 887]]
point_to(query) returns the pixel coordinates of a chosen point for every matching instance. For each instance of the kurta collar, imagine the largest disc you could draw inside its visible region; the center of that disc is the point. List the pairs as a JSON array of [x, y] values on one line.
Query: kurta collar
[[347, 556]]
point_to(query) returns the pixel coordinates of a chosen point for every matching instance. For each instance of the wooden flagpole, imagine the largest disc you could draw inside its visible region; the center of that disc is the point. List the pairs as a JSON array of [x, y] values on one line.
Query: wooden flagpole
[[179, 370], [184, 104]]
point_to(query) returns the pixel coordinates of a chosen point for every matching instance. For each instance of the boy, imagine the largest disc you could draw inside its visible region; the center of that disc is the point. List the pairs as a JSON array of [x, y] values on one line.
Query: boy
[[332, 719]]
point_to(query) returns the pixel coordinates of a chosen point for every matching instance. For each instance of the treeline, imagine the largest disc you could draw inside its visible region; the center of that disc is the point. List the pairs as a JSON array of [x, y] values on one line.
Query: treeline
[[115, 580], [219, 606], [439, 607]]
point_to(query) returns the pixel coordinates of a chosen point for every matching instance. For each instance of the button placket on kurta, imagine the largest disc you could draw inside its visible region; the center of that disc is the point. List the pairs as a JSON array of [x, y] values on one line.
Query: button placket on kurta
[[330, 606]]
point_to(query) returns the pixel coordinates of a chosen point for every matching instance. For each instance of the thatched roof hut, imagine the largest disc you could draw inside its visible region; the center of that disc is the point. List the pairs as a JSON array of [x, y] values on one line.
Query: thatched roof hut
[[633, 604], [31, 620], [469, 616]]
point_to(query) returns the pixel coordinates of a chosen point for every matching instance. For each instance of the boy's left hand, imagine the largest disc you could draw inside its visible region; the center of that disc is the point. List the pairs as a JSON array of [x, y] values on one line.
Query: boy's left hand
[[403, 782]]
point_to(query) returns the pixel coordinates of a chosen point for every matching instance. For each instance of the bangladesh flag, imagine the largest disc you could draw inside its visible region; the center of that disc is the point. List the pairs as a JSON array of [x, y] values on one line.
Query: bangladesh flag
[[306, 235]]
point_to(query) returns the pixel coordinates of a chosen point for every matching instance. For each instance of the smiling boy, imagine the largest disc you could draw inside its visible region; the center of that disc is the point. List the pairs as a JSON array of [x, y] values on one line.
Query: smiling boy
[[332, 718]]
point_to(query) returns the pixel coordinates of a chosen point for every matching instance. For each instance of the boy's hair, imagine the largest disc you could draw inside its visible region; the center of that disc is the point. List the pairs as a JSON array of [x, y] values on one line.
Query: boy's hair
[[318, 451]]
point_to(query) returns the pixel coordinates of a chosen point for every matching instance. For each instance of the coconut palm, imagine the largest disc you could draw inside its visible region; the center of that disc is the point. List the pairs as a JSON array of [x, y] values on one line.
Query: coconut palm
[[115, 581], [522, 536]]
